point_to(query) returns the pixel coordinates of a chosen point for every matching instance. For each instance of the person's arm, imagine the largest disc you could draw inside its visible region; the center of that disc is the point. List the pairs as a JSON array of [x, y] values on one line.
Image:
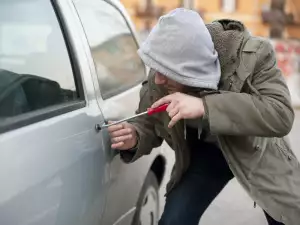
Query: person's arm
[[267, 111], [147, 138]]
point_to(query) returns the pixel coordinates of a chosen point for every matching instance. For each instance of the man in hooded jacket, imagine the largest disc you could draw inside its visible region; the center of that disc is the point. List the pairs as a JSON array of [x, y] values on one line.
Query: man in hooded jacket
[[228, 116]]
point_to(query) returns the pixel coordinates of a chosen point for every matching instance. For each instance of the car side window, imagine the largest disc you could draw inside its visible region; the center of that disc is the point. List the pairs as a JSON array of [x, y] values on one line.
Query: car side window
[[112, 45], [35, 68]]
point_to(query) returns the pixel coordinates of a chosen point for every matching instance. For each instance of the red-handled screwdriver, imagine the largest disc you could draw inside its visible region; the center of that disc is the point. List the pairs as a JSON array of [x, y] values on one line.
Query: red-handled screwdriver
[[149, 112]]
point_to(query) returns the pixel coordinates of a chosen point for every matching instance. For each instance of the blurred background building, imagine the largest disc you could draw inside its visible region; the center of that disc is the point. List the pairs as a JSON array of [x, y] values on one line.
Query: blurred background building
[[278, 20]]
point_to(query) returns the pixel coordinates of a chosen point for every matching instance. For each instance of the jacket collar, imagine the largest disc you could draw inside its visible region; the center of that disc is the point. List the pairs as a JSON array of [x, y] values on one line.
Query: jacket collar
[[228, 37]]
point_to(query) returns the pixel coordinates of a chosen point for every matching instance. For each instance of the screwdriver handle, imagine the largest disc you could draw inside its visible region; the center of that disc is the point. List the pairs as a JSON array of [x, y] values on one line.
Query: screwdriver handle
[[158, 109]]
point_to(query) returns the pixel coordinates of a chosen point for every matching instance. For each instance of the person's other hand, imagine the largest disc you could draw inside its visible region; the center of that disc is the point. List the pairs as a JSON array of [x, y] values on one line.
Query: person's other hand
[[123, 136], [181, 106]]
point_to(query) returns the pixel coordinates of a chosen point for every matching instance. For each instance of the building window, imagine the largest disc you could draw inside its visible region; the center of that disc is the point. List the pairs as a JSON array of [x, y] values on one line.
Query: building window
[[146, 4], [228, 6], [188, 4]]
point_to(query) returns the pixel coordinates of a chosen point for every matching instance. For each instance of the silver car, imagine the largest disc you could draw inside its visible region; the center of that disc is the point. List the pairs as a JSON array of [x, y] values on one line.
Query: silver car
[[67, 67]]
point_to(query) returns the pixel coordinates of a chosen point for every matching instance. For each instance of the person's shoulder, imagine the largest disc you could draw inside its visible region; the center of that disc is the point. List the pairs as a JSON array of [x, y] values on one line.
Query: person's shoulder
[[261, 52], [256, 44]]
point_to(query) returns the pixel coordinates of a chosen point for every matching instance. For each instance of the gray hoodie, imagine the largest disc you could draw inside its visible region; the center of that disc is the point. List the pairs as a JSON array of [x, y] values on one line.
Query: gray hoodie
[[180, 47]]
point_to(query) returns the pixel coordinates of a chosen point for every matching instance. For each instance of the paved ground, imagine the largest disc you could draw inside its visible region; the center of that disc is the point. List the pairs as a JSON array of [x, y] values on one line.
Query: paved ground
[[233, 206]]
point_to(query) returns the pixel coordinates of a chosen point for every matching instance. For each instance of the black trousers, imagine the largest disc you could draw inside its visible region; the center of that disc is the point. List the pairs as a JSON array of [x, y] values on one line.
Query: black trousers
[[204, 180]]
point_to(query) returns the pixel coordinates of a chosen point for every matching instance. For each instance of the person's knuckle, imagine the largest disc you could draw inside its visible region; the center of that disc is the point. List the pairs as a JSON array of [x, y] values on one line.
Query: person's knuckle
[[121, 138], [124, 137]]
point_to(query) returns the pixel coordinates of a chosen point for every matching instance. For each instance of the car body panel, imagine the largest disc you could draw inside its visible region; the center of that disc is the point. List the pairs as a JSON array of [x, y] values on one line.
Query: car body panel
[[53, 171], [53, 161], [62, 170]]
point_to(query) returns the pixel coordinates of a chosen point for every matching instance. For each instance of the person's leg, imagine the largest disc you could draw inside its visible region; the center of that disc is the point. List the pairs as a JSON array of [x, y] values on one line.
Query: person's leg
[[204, 180], [188, 201], [271, 221]]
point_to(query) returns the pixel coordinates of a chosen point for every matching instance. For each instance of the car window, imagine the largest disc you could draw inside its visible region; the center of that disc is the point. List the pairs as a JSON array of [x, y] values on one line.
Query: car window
[[35, 68], [113, 47]]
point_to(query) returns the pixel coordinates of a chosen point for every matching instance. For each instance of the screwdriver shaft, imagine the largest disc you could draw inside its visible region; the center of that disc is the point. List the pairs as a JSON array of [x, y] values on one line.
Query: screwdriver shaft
[[123, 120], [150, 112]]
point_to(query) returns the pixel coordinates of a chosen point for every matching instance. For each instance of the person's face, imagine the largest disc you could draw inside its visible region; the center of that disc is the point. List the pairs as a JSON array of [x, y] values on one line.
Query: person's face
[[171, 85]]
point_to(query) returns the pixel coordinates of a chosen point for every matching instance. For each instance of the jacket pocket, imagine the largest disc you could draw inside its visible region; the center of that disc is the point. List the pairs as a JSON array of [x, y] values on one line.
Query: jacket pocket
[[277, 161], [275, 182], [285, 149], [276, 168]]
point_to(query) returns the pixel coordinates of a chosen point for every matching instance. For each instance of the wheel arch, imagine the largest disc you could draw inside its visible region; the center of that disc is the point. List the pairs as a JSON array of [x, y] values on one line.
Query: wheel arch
[[158, 167]]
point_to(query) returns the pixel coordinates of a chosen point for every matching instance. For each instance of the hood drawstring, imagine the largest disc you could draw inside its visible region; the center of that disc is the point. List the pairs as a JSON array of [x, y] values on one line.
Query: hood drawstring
[[184, 124], [199, 130]]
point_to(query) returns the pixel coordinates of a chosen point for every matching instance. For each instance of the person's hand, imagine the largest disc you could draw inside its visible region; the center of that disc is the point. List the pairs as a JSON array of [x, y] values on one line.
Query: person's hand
[[181, 106], [123, 136]]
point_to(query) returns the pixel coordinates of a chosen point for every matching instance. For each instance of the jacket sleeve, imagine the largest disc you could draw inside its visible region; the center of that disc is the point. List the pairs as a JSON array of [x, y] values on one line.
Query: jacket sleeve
[[147, 138], [265, 111]]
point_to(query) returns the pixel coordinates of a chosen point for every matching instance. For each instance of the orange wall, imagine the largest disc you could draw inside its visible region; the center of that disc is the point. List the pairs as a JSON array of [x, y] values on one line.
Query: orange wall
[[209, 5], [248, 11]]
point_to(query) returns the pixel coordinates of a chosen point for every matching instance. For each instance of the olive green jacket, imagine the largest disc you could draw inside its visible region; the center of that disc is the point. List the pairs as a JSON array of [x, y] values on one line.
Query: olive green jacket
[[250, 115]]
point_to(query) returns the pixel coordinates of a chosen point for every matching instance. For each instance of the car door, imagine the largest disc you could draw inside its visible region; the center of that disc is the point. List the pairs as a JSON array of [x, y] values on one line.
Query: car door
[[52, 161], [113, 53]]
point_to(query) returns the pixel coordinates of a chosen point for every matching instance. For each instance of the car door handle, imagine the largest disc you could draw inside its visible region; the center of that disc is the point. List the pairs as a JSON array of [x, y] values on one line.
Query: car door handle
[[98, 128]]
